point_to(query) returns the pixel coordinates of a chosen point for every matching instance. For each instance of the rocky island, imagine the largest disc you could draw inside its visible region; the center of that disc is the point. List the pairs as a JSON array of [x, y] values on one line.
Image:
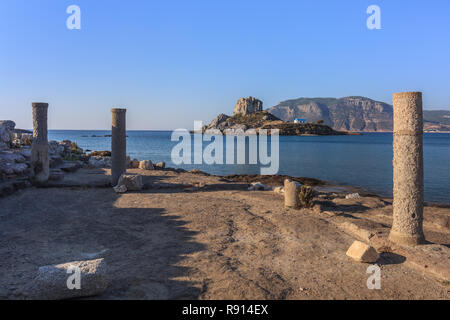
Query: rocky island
[[249, 114]]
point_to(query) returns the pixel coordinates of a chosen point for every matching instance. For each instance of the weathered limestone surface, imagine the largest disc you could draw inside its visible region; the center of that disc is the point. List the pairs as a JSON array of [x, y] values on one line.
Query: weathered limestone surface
[[118, 145], [160, 165], [407, 228], [51, 281], [134, 164], [133, 182], [291, 194], [362, 252], [146, 165], [218, 121], [39, 147], [248, 105], [120, 188], [6, 133]]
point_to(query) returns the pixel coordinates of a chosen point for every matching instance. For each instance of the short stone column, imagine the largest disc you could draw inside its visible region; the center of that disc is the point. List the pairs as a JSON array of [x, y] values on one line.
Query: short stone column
[[291, 191], [39, 147], [407, 227], [118, 145]]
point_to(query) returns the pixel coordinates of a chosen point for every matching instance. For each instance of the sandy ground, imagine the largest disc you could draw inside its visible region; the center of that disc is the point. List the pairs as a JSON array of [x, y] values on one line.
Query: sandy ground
[[192, 236]]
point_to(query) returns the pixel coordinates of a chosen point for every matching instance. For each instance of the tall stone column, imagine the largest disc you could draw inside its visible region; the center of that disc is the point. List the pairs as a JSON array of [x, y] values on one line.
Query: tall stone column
[[118, 145], [39, 147], [407, 227]]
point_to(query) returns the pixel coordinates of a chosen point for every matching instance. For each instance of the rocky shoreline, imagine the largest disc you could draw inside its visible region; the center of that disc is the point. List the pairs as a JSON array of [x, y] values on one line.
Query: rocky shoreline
[[65, 157]]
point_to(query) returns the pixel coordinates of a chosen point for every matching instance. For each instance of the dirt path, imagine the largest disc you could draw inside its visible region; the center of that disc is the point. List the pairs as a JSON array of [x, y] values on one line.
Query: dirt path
[[217, 242]]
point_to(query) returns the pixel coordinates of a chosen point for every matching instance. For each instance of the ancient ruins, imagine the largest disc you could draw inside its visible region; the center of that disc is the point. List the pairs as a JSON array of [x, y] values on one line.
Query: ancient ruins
[[407, 227], [118, 144], [39, 148]]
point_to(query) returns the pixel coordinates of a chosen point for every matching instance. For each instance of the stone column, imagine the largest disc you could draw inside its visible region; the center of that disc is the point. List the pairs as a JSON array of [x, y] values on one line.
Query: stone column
[[291, 190], [407, 226], [39, 147], [118, 145]]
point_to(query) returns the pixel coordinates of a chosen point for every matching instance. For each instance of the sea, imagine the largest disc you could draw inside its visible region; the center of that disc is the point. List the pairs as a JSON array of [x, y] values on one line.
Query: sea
[[364, 161]]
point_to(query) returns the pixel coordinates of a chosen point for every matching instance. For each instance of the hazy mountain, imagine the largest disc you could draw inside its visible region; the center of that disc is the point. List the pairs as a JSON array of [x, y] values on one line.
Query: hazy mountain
[[436, 120], [349, 113], [352, 113]]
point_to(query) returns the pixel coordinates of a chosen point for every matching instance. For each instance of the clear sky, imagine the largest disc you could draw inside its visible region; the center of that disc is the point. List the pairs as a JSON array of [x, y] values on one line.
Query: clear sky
[[172, 62]]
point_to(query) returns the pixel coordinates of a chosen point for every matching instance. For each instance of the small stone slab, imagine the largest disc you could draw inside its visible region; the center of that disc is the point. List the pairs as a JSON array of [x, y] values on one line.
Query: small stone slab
[[51, 282], [362, 252], [70, 166]]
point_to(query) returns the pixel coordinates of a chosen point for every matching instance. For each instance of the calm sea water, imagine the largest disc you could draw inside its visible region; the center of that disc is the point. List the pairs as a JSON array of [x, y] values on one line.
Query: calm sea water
[[364, 161]]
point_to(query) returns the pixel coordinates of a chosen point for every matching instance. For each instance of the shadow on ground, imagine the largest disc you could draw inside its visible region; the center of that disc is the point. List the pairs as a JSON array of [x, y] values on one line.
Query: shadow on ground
[[141, 246]]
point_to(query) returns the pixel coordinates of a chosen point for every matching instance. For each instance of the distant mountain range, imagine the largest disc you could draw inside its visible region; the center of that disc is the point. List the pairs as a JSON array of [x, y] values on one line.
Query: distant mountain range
[[358, 114]]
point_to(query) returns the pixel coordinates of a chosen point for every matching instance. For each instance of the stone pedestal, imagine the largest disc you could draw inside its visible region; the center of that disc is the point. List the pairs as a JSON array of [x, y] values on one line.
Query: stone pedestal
[[118, 145], [39, 147], [291, 190], [407, 227]]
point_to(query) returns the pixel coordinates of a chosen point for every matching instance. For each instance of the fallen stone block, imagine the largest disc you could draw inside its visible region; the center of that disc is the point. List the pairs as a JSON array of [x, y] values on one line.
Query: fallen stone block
[[362, 252], [160, 165], [278, 190], [134, 164], [70, 166], [133, 182], [120, 189], [99, 162], [146, 165], [57, 282], [257, 186]]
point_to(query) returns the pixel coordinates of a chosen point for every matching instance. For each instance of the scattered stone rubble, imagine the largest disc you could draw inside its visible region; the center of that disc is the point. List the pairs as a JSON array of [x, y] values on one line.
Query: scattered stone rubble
[[146, 165], [64, 157], [258, 186], [352, 196]]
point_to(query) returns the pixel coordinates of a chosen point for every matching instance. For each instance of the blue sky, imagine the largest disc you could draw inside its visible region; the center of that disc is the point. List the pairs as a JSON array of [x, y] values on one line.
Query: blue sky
[[172, 62]]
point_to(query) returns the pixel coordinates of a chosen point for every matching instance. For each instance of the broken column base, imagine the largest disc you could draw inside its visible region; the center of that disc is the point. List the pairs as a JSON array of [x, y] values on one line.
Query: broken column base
[[406, 239], [40, 163], [291, 194]]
